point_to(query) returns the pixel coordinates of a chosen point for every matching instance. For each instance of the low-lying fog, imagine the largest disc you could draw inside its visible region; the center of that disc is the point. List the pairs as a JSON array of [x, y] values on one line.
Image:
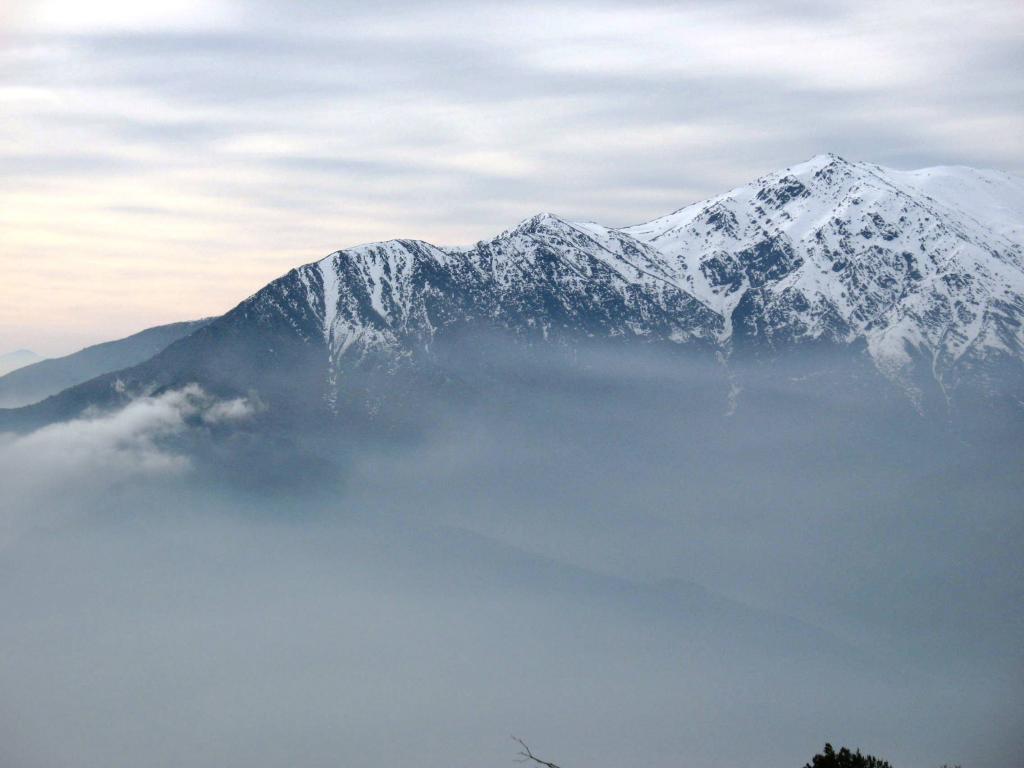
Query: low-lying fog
[[598, 560]]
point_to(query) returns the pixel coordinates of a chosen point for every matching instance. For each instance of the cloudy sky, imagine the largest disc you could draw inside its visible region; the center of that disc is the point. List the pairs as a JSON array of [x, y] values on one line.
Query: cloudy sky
[[160, 161]]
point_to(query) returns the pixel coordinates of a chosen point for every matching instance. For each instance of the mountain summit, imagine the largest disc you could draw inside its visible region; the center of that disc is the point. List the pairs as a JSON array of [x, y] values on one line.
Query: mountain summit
[[926, 267], [919, 272]]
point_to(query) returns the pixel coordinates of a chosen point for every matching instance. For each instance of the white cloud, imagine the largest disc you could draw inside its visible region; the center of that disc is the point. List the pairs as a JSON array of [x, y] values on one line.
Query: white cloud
[[109, 15], [66, 467]]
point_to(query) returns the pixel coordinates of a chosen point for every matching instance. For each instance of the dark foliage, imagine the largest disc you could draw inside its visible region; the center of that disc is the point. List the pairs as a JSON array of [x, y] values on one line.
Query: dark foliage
[[844, 758]]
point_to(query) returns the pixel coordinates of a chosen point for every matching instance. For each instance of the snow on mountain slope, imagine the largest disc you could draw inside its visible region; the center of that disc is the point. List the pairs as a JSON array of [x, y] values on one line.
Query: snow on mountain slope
[[994, 199], [545, 276], [923, 266]]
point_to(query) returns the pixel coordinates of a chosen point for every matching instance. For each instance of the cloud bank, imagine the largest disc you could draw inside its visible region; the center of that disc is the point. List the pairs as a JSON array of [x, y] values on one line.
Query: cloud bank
[[65, 468], [593, 557]]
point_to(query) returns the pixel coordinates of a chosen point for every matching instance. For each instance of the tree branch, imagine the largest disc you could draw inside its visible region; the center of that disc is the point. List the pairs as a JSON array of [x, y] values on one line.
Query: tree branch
[[526, 756]]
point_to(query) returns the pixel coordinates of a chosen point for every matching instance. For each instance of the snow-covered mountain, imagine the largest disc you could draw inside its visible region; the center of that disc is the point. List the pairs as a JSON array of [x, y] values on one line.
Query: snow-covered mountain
[[926, 267], [546, 277], [922, 272]]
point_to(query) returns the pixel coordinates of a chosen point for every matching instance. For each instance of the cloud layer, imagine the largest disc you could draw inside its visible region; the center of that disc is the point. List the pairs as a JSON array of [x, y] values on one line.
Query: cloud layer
[[591, 556]]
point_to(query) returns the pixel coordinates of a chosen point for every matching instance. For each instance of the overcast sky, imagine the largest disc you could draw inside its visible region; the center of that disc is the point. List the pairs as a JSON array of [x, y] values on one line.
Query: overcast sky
[[160, 161]]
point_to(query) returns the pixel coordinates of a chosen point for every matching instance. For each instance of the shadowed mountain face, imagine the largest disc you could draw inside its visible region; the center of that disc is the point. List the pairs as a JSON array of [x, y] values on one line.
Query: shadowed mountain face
[[35, 382], [905, 273]]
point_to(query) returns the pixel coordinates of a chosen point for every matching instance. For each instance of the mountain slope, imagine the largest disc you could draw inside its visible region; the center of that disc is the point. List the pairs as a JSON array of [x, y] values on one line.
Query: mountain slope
[[546, 277], [38, 381], [12, 361]]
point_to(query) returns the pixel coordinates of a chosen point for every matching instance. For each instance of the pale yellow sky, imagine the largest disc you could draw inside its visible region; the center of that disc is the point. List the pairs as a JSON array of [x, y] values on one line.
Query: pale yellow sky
[[161, 161]]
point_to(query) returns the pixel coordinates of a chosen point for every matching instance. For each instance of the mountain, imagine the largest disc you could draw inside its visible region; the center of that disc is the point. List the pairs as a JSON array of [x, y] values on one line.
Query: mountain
[[35, 382], [918, 275], [12, 361], [924, 267]]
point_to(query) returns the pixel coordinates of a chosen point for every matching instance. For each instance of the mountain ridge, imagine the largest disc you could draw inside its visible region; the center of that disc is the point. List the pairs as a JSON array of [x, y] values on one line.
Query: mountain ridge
[[35, 382], [18, 358], [928, 285]]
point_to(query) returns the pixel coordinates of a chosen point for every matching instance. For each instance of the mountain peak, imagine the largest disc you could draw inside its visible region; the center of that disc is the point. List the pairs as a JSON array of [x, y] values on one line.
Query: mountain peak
[[539, 221], [818, 163]]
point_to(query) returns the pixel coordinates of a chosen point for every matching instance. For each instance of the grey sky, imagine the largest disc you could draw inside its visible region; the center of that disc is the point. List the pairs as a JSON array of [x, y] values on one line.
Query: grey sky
[[161, 163]]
